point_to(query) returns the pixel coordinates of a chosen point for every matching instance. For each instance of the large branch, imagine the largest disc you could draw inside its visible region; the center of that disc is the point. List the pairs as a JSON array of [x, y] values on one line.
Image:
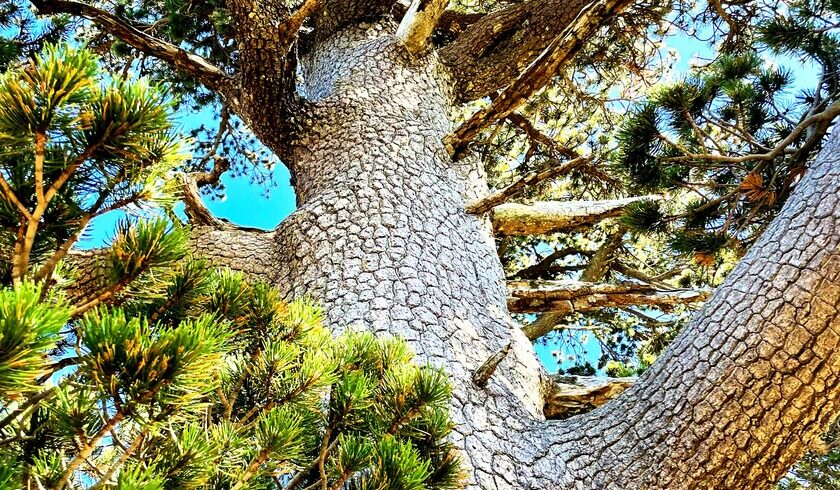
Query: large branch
[[263, 92], [750, 384], [542, 217], [178, 58], [566, 297], [242, 249], [497, 48], [265, 31], [451, 24], [539, 73]]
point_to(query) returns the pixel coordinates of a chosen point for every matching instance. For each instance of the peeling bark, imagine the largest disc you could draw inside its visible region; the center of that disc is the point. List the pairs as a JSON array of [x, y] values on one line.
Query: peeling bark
[[543, 217]]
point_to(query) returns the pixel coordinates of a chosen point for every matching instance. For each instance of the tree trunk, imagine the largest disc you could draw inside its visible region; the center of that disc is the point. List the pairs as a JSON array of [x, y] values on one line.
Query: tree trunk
[[381, 239]]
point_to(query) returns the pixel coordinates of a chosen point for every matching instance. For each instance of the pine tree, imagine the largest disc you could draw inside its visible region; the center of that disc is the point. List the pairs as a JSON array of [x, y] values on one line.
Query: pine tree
[[385, 115], [162, 371]]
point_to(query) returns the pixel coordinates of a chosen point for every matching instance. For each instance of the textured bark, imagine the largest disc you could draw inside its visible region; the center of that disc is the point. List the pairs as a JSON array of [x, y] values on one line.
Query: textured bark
[[383, 241], [750, 383], [497, 48], [543, 217], [269, 103]]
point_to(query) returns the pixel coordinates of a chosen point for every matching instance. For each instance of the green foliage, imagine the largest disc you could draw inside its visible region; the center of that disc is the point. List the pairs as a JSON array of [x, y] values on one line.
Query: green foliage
[[76, 144], [148, 245], [644, 216], [28, 329], [707, 135], [218, 396], [146, 368]]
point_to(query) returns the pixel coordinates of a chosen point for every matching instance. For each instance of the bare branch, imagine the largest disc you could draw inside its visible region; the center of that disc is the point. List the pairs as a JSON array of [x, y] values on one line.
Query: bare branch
[[487, 203], [544, 217], [821, 117], [194, 208], [538, 136], [545, 265], [566, 297], [578, 296], [566, 396], [486, 370]]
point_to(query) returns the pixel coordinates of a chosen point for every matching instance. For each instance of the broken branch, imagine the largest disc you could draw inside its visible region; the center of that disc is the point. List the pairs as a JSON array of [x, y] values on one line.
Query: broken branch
[[419, 22]]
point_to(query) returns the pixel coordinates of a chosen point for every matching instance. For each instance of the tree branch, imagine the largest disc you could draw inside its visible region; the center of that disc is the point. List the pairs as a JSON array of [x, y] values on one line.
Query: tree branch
[[543, 266], [596, 271], [496, 48], [194, 208], [538, 73], [538, 136], [264, 31], [821, 117], [566, 297], [195, 65], [577, 296], [543, 217], [487, 203], [750, 384], [451, 23], [566, 396]]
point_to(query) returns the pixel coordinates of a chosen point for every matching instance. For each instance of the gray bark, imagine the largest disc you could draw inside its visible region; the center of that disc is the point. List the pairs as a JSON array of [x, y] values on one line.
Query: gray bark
[[544, 217], [382, 240]]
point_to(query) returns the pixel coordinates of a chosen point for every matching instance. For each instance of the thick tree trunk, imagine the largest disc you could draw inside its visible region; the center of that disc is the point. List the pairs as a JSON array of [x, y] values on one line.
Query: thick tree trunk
[[382, 240]]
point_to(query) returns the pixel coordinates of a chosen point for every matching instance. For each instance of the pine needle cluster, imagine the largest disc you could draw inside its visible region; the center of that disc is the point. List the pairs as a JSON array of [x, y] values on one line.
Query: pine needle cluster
[[138, 366], [734, 138]]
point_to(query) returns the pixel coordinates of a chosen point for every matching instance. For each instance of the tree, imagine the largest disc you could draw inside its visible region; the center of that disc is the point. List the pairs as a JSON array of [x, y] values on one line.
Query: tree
[[356, 99], [161, 371]]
